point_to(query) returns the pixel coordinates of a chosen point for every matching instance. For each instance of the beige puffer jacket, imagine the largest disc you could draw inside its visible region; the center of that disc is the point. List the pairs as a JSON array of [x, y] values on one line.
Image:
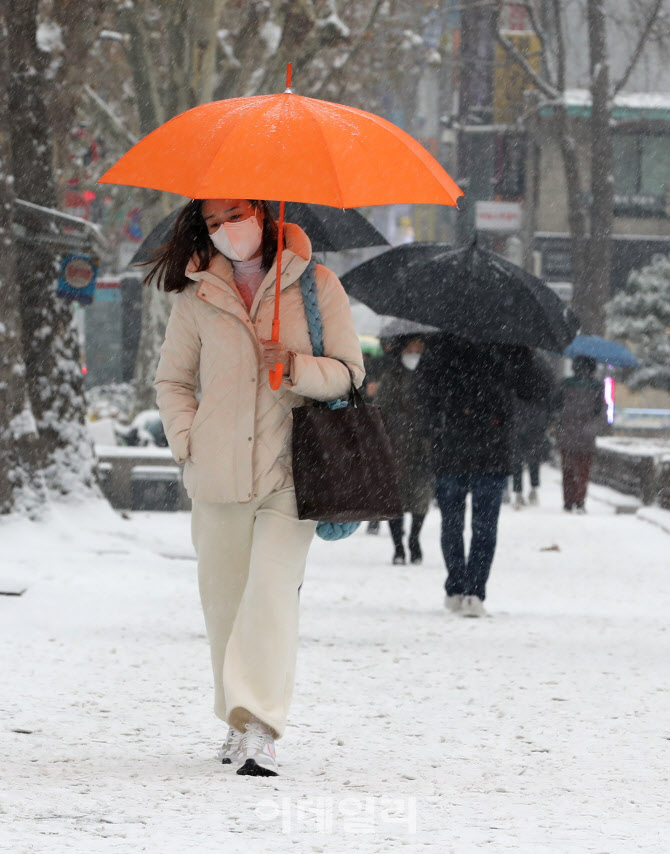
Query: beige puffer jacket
[[236, 442]]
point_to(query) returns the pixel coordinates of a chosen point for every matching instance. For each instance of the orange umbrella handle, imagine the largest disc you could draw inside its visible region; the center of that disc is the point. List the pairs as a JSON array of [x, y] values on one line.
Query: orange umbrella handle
[[277, 375]]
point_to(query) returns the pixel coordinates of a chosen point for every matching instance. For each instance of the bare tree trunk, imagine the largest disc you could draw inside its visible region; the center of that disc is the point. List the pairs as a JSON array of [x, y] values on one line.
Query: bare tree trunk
[[149, 109], [204, 49], [50, 345], [532, 195], [595, 289], [21, 485], [577, 218]]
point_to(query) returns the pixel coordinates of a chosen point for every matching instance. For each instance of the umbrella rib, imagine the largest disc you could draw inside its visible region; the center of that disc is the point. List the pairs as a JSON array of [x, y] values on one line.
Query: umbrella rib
[[417, 149], [316, 122], [233, 127]]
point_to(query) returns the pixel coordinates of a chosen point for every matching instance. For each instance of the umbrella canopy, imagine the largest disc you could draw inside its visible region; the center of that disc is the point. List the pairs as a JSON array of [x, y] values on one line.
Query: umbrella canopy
[[469, 292], [398, 327], [285, 147], [329, 230], [602, 350]]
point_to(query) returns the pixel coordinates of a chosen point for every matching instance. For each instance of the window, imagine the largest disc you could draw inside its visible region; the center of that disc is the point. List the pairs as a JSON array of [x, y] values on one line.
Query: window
[[655, 165], [626, 164], [641, 174]]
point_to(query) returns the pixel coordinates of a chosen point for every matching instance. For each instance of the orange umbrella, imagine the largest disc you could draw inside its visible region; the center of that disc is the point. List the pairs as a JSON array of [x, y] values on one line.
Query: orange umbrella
[[285, 147]]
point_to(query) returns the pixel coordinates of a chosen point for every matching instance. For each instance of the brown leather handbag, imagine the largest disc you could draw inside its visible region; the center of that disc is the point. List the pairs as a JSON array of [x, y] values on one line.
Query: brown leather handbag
[[343, 467]]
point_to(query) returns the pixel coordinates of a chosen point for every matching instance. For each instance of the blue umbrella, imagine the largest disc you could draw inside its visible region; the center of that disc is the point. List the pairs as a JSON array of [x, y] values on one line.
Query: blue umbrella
[[602, 350]]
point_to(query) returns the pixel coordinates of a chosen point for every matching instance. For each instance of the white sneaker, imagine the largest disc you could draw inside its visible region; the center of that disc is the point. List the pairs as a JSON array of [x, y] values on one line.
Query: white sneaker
[[518, 501], [472, 606], [453, 603], [533, 498], [257, 757], [230, 747]]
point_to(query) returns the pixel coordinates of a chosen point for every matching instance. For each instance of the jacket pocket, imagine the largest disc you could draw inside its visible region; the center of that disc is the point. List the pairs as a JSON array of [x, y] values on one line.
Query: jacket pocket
[[205, 409]]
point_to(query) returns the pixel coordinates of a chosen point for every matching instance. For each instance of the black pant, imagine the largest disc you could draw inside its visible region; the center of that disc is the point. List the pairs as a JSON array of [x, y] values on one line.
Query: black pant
[[517, 476], [469, 578], [397, 531]]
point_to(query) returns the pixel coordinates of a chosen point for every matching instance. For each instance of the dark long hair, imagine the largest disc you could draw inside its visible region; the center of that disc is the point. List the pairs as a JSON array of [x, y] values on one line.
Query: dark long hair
[[191, 237]]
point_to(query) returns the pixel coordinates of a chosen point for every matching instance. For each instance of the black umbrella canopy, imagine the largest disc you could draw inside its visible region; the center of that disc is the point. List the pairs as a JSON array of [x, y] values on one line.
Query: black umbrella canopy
[[469, 292], [398, 327], [332, 229], [329, 229]]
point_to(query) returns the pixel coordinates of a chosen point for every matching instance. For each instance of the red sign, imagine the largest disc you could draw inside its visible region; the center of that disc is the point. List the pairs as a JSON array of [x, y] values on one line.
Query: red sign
[[78, 273]]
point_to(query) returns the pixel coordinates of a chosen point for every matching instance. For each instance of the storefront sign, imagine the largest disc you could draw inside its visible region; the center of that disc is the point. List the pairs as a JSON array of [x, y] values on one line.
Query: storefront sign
[[497, 216]]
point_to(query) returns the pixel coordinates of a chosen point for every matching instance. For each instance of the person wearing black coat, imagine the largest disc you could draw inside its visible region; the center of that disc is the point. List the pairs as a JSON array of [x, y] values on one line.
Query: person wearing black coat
[[400, 395], [531, 444], [469, 410]]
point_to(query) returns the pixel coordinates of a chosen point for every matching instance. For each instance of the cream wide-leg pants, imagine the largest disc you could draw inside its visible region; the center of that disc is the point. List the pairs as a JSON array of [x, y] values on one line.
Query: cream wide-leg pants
[[251, 562]]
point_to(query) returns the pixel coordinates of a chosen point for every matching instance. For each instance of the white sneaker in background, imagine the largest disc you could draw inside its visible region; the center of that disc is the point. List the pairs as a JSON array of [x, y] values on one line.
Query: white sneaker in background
[[453, 603], [257, 756], [230, 747], [518, 501], [533, 498], [472, 606]]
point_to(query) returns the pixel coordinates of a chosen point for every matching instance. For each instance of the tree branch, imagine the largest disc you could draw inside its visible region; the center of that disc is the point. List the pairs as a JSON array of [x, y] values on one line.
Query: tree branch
[[531, 75], [353, 53], [103, 109], [538, 29], [637, 53]]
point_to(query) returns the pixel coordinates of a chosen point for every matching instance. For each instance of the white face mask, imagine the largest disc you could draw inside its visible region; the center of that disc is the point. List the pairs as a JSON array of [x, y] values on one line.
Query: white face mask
[[238, 241], [411, 360]]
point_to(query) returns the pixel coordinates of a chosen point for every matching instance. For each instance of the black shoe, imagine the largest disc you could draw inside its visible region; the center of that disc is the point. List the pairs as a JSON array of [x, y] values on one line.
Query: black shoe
[[567, 508], [415, 554], [399, 557]]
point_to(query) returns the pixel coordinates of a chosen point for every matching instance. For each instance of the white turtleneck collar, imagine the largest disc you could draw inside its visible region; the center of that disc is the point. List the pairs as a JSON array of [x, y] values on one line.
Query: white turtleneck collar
[[249, 272]]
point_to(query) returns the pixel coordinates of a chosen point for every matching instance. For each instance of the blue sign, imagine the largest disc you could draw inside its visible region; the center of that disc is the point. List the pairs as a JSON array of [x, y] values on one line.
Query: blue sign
[[77, 278]]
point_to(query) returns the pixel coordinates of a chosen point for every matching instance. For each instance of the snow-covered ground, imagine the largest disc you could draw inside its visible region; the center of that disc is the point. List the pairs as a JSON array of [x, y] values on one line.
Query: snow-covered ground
[[545, 728]]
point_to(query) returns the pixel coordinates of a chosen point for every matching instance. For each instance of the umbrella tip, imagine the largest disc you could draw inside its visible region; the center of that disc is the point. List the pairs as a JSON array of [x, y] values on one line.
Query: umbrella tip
[[289, 75]]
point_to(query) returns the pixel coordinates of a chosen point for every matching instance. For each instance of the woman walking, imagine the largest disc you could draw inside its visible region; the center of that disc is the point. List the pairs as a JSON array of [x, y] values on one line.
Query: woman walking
[[235, 444], [400, 396]]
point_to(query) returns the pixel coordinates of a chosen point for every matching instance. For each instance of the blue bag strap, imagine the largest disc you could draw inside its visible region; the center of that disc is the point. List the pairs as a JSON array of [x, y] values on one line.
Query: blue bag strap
[[311, 302]]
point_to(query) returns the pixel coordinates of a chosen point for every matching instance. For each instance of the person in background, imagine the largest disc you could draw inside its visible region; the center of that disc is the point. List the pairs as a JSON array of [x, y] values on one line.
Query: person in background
[[469, 390], [581, 418], [531, 445], [400, 397]]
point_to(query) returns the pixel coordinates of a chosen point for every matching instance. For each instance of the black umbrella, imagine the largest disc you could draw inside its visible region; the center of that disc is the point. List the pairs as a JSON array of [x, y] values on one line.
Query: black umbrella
[[469, 292], [329, 229]]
